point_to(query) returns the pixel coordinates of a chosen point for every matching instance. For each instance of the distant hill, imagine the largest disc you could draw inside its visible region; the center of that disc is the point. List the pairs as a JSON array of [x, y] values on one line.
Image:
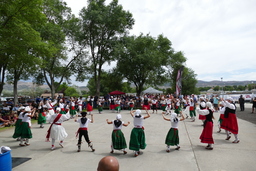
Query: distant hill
[[24, 85], [201, 83], [29, 85]]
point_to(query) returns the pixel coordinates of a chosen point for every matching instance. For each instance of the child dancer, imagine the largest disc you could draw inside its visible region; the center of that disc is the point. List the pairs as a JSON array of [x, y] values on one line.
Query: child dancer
[[56, 131], [83, 130], [172, 137], [118, 139]]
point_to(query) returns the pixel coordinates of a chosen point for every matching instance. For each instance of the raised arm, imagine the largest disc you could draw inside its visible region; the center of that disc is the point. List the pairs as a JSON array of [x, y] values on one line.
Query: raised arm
[[126, 124], [92, 118], [148, 115], [165, 117], [109, 122]]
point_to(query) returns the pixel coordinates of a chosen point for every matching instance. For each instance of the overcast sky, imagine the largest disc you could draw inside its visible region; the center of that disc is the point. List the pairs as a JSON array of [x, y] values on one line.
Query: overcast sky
[[218, 37]]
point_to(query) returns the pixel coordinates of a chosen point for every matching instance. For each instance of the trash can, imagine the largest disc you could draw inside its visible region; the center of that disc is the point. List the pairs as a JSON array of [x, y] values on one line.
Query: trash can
[[6, 161]]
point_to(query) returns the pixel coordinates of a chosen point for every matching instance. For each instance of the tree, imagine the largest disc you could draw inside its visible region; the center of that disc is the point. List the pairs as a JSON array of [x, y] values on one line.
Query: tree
[[57, 66], [216, 88], [20, 41], [100, 27], [141, 60], [189, 82]]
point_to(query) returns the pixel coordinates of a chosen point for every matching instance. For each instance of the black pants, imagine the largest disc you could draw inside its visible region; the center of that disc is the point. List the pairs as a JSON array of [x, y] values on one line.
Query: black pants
[[242, 106], [85, 134]]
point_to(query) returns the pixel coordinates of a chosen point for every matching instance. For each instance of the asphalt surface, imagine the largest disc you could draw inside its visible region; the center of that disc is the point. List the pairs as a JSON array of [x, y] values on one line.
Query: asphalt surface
[[192, 156]]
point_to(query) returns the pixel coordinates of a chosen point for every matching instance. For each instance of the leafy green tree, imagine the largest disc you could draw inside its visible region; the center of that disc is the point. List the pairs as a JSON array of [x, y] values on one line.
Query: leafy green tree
[[20, 42], [189, 82], [100, 27], [72, 92], [141, 60], [216, 88]]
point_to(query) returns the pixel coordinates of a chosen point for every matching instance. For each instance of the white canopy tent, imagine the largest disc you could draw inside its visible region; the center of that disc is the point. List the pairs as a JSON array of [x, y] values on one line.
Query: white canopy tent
[[151, 90]]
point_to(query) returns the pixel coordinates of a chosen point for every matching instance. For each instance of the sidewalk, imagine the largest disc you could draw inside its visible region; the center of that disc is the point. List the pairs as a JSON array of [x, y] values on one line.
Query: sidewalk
[[192, 155]]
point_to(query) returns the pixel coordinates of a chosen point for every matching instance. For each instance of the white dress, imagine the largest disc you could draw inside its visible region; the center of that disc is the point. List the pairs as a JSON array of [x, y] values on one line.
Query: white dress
[[58, 132]]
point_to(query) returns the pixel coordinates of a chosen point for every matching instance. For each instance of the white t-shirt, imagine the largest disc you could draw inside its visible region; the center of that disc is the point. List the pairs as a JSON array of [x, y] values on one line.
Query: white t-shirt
[[175, 124], [83, 125], [120, 127], [138, 122]]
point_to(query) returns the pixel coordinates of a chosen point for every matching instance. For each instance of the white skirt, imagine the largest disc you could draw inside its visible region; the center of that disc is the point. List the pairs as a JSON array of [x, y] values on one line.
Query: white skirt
[[58, 132]]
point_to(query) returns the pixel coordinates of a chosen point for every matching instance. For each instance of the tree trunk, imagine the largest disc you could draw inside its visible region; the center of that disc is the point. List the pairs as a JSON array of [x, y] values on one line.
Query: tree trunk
[[15, 90]]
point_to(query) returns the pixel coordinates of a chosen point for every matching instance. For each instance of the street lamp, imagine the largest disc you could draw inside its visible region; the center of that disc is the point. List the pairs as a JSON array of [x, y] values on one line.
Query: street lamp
[[221, 86]]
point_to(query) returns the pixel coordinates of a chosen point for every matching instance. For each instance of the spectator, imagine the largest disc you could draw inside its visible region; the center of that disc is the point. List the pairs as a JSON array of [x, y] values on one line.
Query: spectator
[[241, 102], [4, 122], [253, 104], [108, 163]]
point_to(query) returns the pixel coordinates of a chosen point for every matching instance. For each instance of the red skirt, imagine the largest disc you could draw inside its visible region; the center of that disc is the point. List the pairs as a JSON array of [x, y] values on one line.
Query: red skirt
[[89, 108], [230, 123], [206, 136], [146, 107], [112, 106], [202, 117]]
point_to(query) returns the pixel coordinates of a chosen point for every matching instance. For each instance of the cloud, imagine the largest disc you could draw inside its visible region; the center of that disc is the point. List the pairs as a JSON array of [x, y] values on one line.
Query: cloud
[[218, 38]]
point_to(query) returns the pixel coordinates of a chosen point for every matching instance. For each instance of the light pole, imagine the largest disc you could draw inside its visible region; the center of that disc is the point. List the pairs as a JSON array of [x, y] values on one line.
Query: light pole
[[221, 86]]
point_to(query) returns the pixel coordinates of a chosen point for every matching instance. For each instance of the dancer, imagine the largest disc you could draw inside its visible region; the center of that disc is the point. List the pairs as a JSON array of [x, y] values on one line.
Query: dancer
[[26, 133], [17, 131], [137, 138], [202, 107], [42, 114], [222, 111], [83, 130], [62, 106], [118, 139], [206, 135], [80, 104], [154, 104], [89, 106], [146, 105], [229, 122], [118, 105], [72, 108], [131, 104], [192, 111], [172, 137], [100, 105], [56, 131]]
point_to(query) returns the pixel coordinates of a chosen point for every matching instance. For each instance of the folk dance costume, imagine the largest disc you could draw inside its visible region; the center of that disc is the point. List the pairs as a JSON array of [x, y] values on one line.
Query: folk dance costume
[[80, 104], [222, 111], [172, 137], [154, 105], [100, 104], [145, 105], [72, 109], [163, 104], [177, 108], [202, 107], [118, 139], [56, 131], [83, 130], [137, 137], [206, 135], [26, 133], [62, 107], [50, 105], [112, 103], [229, 122], [42, 115], [17, 131], [131, 105], [118, 105], [89, 107], [192, 112]]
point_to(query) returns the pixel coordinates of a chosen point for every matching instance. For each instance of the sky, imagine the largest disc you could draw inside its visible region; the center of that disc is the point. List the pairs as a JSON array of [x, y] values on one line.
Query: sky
[[218, 37]]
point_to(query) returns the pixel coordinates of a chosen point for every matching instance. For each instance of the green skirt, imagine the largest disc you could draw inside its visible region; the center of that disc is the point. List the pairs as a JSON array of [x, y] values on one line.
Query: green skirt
[[177, 111], [137, 139], [26, 131], [41, 119], [118, 140], [17, 131], [100, 109], [172, 137], [118, 108], [72, 112]]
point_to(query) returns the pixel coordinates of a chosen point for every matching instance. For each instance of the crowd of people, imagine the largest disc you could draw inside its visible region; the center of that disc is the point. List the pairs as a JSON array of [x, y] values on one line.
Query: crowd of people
[[173, 109]]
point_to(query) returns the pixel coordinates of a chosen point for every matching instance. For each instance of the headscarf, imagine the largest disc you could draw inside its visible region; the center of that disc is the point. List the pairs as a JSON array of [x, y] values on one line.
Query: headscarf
[[83, 119], [174, 117], [137, 113]]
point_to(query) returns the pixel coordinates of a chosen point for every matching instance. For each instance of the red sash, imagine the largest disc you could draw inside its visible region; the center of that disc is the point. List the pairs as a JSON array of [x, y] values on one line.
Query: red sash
[[44, 114], [80, 130], [49, 130]]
